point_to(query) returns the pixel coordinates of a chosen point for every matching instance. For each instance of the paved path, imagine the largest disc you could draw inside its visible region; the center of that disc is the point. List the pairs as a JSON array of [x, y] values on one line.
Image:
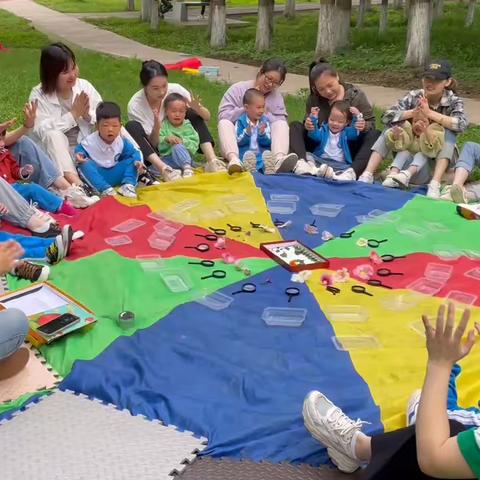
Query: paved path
[[74, 30]]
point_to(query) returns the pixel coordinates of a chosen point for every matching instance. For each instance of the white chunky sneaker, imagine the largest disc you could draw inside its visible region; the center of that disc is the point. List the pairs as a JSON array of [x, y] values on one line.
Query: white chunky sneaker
[[79, 199], [109, 192], [433, 189], [188, 172], [216, 165], [366, 177], [286, 163], [304, 168], [234, 166], [390, 182], [458, 194], [412, 407], [128, 190], [330, 426], [269, 165], [249, 162], [325, 171], [402, 178], [171, 175], [347, 175]]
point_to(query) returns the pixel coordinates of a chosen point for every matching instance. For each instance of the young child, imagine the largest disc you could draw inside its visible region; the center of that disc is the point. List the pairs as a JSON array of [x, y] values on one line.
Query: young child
[[253, 135], [178, 140], [107, 159], [415, 143], [13, 173], [331, 138]]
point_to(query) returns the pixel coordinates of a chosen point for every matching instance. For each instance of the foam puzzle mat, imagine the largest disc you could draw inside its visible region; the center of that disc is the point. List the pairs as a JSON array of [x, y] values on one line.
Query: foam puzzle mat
[[89, 440], [225, 374]]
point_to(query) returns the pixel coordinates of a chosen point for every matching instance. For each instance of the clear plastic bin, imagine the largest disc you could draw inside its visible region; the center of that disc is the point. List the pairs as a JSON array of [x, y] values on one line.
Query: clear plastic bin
[[284, 317], [438, 271], [447, 253], [426, 286], [437, 227], [176, 281], [347, 344], [159, 241], [284, 197], [242, 207], [118, 240], [128, 225], [216, 301], [412, 231], [399, 302], [185, 206], [462, 297], [281, 207], [150, 263], [346, 313], [330, 210], [473, 273]]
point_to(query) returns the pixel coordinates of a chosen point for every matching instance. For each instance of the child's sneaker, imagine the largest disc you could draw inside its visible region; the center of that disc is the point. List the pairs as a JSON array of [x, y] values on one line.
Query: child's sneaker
[[325, 171], [147, 179], [330, 426], [446, 194], [390, 182], [234, 166], [216, 165], [302, 167], [347, 175], [171, 175], [412, 407], [433, 189], [67, 237], [53, 231], [56, 252], [286, 163], [366, 177], [188, 172], [249, 162], [402, 178], [458, 194], [31, 271], [78, 197], [127, 190], [268, 162], [109, 192]]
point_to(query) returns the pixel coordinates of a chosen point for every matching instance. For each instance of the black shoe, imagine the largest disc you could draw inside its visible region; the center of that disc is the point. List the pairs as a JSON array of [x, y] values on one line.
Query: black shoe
[[148, 179], [31, 271], [67, 237], [55, 252], [53, 231], [89, 190]]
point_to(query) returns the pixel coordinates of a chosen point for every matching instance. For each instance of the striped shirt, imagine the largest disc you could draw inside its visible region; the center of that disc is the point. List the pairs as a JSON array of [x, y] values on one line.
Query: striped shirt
[[469, 444]]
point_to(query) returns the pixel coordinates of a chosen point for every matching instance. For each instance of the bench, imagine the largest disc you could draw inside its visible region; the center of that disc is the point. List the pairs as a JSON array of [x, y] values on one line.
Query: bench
[[180, 10]]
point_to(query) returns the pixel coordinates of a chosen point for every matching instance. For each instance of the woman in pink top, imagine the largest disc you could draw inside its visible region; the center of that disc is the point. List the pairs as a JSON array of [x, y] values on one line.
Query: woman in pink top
[[269, 78]]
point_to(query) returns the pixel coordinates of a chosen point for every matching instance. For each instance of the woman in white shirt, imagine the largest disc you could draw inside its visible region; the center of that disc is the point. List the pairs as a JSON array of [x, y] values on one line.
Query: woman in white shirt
[[145, 112], [65, 113]]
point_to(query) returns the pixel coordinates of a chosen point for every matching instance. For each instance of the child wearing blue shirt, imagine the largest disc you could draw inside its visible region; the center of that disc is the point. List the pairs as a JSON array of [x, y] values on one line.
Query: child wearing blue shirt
[[254, 135], [107, 159]]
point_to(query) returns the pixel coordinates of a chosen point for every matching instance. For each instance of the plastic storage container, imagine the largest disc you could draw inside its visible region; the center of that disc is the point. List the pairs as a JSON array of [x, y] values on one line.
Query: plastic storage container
[[281, 207], [400, 302], [346, 344], [412, 231], [284, 317], [462, 297], [118, 240], [426, 286], [128, 225], [330, 210], [284, 197], [437, 271], [346, 313], [473, 273], [447, 253], [215, 301], [176, 281], [150, 263], [159, 241]]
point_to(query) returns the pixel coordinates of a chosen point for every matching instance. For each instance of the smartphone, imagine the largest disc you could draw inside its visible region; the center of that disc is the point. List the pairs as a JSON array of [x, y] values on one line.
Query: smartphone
[[59, 323]]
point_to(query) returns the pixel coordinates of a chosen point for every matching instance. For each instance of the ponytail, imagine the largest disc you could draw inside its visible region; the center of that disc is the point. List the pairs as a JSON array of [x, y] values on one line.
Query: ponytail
[[453, 85], [316, 69]]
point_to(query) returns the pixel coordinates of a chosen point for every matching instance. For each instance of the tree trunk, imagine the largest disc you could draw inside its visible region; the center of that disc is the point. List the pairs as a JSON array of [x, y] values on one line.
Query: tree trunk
[[438, 8], [154, 17], [333, 26], [382, 27], [218, 35], [130, 5], [289, 11], [471, 13], [369, 5], [145, 11], [344, 15], [362, 8], [418, 50], [406, 9], [263, 40], [397, 4]]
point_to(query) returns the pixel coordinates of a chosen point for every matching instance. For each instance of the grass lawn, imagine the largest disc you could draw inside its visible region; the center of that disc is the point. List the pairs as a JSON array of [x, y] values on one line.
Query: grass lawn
[[371, 59]]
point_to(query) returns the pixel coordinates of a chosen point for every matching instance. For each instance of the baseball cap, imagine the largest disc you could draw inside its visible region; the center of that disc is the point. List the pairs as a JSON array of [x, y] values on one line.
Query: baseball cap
[[440, 70]]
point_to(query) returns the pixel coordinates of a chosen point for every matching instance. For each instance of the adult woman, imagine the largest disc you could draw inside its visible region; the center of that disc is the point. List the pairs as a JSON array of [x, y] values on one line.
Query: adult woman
[[146, 113], [440, 104], [65, 113], [326, 87], [270, 76]]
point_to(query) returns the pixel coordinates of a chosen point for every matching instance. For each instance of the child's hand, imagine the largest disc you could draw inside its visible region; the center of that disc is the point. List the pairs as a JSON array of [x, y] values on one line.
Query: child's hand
[[80, 157], [262, 128], [173, 140], [6, 125], [314, 111], [140, 167], [3, 209], [156, 117], [195, 102], [444, 342], [424, 106], [29, 114], [354, 111], [26, 171], [309, 124], [10, 253], [396, 132]]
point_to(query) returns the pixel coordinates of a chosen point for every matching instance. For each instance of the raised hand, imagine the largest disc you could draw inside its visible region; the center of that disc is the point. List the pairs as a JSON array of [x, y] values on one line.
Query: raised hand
[[10, 253], [26, 171], [29, 114]]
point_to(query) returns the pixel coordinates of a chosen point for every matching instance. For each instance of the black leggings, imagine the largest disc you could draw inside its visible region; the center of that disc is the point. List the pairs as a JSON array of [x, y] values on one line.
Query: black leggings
[[394, 455], [136, 130], [360, 149]]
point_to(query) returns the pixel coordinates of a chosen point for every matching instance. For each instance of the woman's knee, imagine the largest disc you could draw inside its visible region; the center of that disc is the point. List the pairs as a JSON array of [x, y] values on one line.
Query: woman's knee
[[134, 127], [13, 332]]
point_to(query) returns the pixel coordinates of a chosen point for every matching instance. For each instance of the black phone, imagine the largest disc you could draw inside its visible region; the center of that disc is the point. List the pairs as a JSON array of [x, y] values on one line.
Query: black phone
[[59, 323]]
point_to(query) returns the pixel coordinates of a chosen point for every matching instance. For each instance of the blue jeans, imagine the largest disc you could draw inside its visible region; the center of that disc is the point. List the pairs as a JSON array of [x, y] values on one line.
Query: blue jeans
[[104, 178], [179, 158], [35, 247], [405, 159], [13, 330], [34, 193], [469, 157], [26, 151]]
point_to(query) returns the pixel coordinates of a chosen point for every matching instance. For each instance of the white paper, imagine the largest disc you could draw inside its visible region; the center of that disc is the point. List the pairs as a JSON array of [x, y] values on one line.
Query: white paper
[[36, 302]]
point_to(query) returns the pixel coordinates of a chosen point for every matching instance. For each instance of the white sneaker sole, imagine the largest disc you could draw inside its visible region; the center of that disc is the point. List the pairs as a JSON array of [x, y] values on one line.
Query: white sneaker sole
[[235, 168], [268, 163], [458, 194]]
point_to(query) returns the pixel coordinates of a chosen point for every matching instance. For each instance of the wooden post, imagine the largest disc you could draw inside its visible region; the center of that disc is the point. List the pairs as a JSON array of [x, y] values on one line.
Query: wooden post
[[263, 40], [131, 5], [418, 51], [145, 10], [383, 23], [154, 15], [218, 34]]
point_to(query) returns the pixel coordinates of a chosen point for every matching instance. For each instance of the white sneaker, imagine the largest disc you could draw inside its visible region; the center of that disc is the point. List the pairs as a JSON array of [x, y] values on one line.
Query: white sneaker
[[446, 194], [330, 426], [390, 182], [128, 190], [347, 175], [286, 163], [458, 194], [402, 178], [269, 166], [412, 407], [188, 172], [109, 192], [79, 199], [216, 165], [304, 168], [171, 175], [433, 189], [249, 162], [43, 216], [366, 177], [234, 166], [324, 171]]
